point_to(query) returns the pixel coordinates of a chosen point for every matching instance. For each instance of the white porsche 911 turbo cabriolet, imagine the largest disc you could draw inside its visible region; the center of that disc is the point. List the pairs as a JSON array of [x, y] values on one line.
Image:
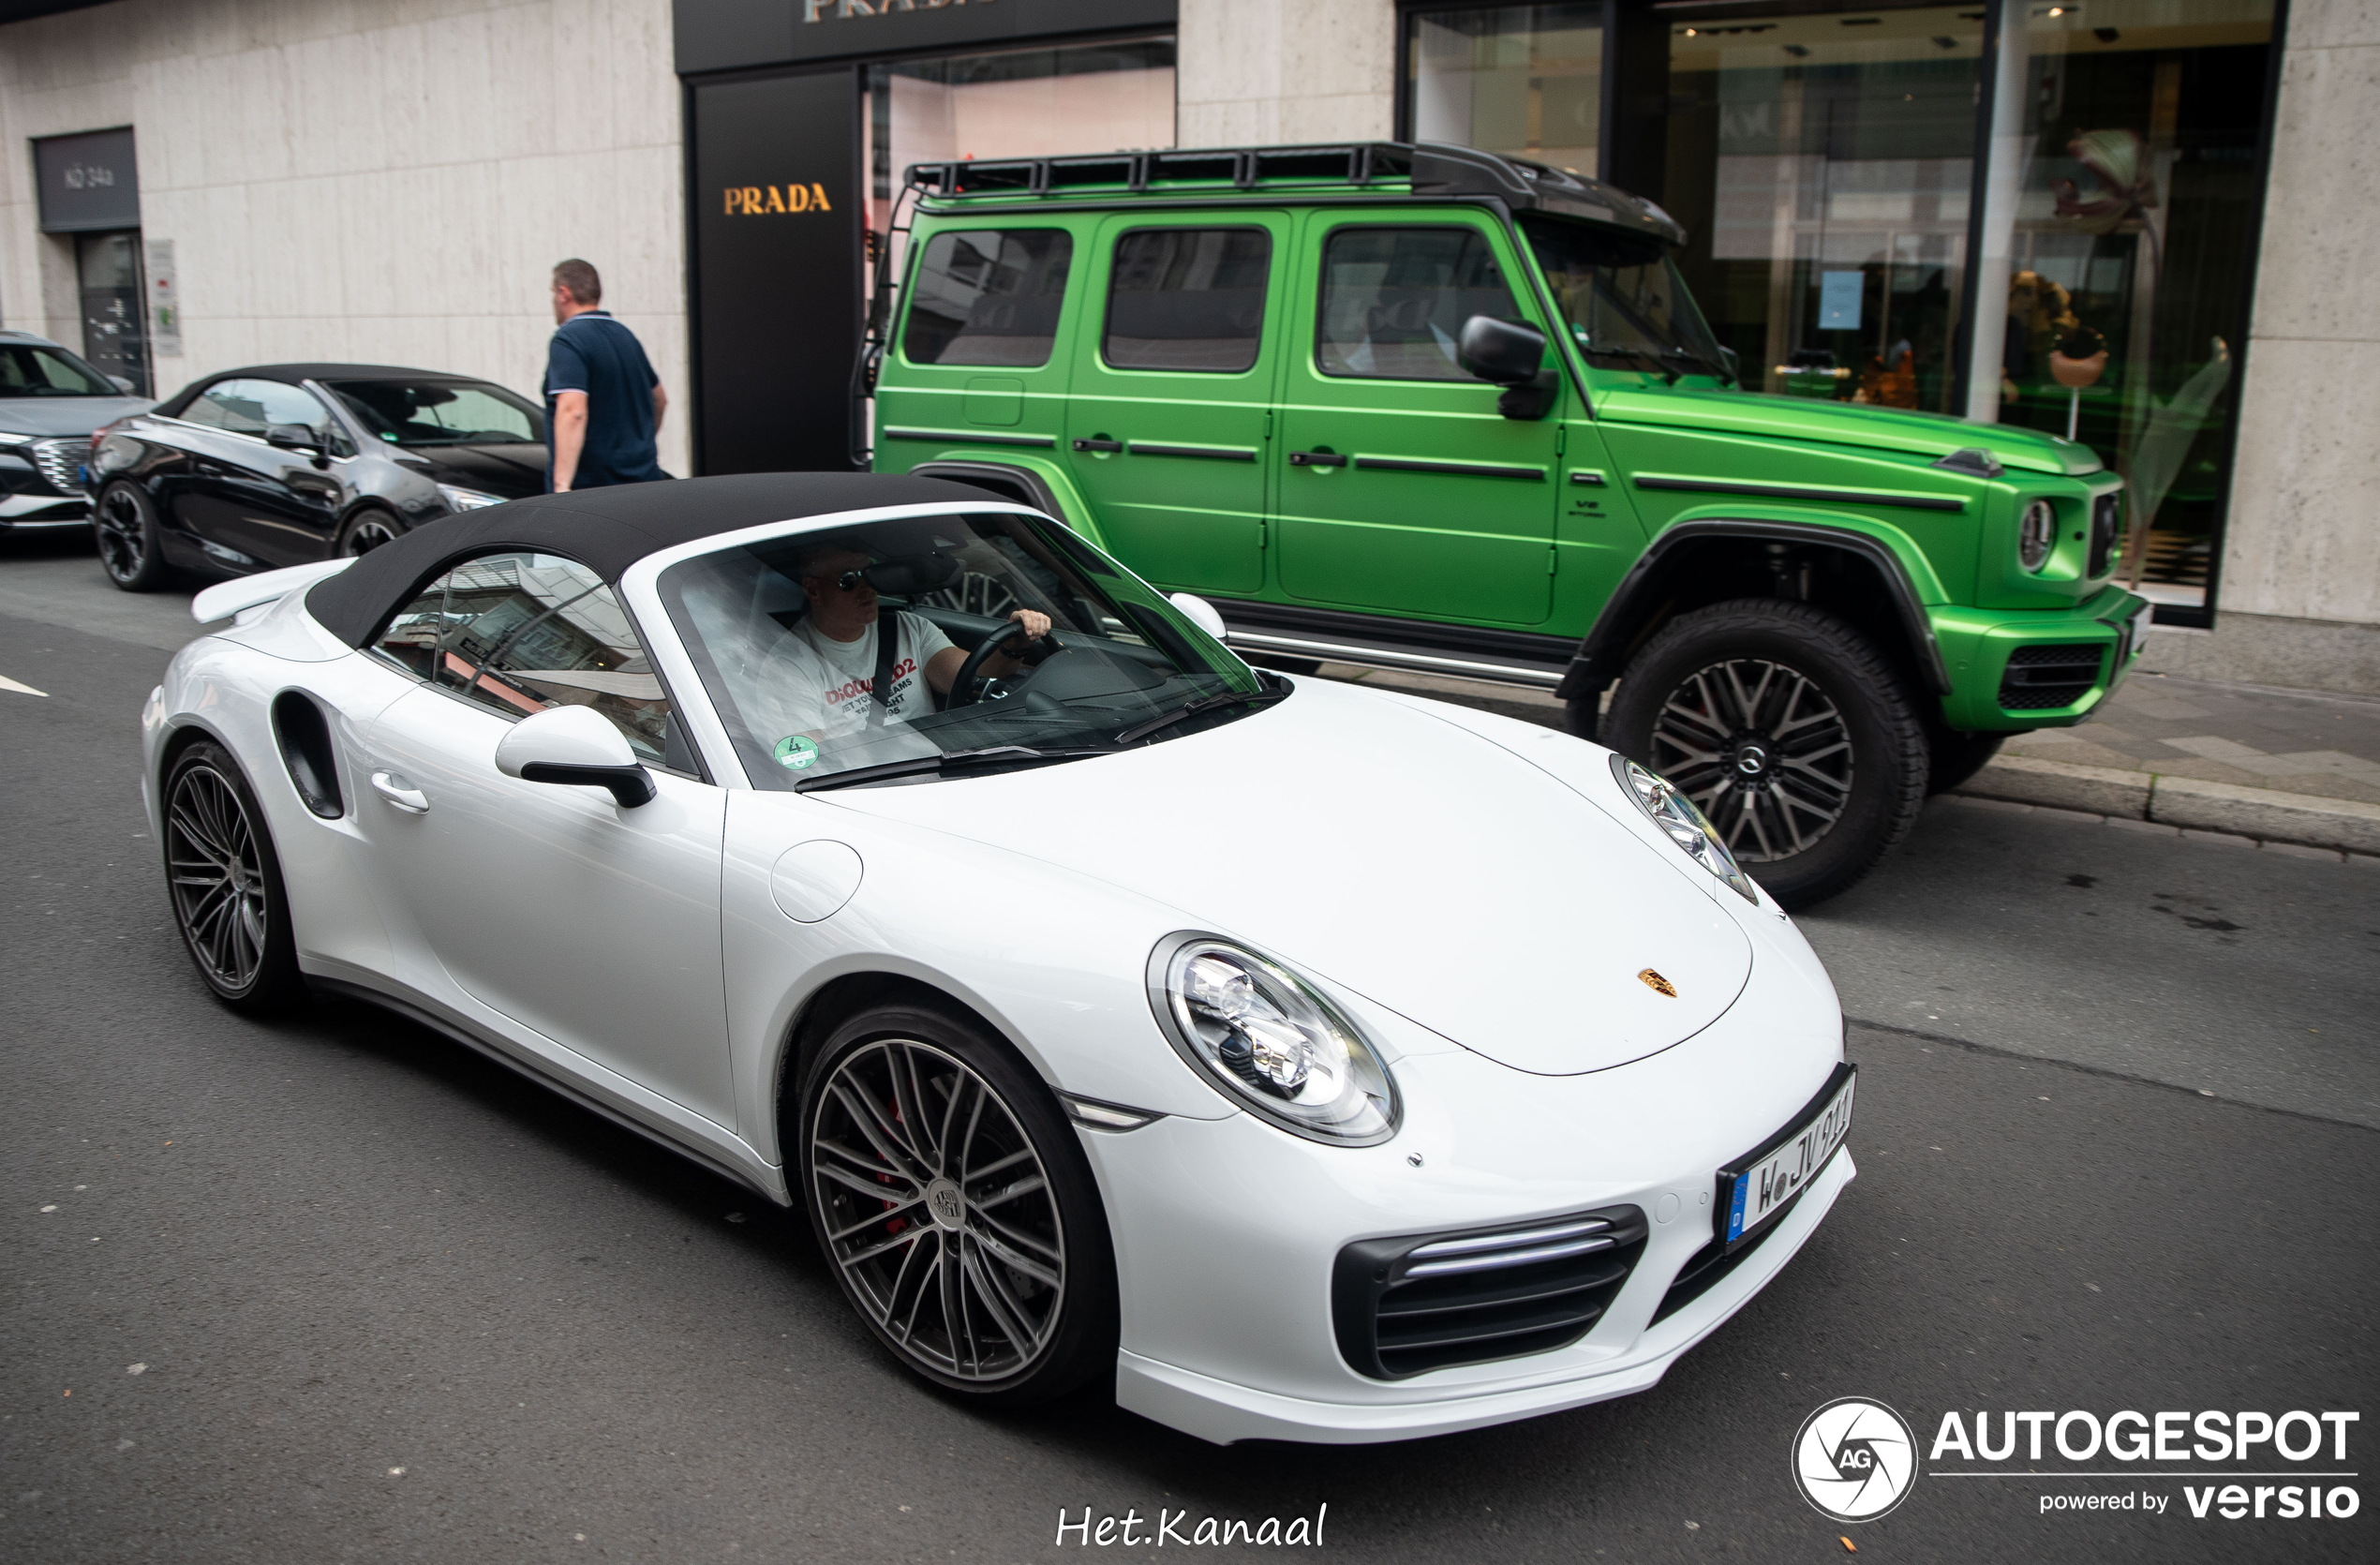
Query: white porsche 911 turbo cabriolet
[[1319, 1062]]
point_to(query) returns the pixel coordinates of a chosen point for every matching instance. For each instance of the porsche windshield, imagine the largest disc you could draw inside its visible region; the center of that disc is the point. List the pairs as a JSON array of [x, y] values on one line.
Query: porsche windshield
[[908, 649], [1623, 300]]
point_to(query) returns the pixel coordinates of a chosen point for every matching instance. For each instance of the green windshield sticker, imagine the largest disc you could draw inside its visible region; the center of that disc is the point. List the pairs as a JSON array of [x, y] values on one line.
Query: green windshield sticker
[[794, 752]]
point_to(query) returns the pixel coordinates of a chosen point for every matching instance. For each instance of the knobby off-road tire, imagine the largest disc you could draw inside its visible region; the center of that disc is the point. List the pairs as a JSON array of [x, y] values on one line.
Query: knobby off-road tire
[[1790, 731], [224, 880], [124, 525], [950, 1195]]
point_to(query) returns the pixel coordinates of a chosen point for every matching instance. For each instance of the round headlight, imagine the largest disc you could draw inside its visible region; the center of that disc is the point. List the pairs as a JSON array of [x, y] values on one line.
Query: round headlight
[[1683, 824], [2036, 532], [1276, 1048]]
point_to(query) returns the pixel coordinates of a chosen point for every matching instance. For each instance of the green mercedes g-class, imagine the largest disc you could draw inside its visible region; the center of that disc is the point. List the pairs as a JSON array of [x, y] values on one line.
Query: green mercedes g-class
[[1257, 375]]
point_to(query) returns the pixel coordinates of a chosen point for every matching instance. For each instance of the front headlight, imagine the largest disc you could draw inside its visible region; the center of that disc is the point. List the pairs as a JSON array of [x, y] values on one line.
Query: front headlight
[[1276, 1048], [1683, 824], [2036, 534], [10, 437], [458, 498]]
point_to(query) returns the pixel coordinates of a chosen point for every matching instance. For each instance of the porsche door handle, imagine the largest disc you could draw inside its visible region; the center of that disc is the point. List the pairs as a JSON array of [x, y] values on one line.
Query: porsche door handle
[[411, 800]]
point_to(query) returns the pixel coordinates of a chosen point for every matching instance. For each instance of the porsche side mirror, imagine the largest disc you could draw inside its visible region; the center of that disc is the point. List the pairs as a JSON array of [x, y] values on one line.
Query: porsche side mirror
[[1200, 613], [293, 437], [1508, 354], [578, 745], [121, 384]]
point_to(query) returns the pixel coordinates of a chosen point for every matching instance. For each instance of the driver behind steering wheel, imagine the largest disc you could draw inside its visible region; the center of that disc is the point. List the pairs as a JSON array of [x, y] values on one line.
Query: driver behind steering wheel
[[834, 648]]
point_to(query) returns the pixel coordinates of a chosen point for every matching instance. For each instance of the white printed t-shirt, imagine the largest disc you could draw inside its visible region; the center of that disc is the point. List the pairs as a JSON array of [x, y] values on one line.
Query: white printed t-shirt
[[819, 685]]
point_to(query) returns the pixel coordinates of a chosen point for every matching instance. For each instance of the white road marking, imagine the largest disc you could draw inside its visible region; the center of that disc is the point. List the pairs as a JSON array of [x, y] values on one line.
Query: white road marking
[[7, 684]]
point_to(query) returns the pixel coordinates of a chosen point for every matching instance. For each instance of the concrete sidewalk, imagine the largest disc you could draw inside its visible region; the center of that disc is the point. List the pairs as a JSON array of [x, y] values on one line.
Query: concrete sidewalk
[[2279, 766]]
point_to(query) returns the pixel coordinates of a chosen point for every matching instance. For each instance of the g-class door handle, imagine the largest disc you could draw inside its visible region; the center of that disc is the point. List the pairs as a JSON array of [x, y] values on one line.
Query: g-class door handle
[[411, 800], [1317, 459], [1098, 445]]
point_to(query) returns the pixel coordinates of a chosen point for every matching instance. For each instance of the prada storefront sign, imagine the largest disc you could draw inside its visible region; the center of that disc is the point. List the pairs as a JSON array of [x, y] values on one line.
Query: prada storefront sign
[[88, 182], [737, 35], [777, 247]]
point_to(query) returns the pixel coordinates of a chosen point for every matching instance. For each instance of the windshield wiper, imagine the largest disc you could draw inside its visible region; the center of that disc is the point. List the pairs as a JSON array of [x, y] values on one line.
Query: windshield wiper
[[1687, 355], [1662, 367], [1206, 703], [916, 766]]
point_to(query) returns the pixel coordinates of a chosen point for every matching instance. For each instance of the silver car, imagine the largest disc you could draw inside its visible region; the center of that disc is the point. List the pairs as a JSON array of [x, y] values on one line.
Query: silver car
[[49, 403]]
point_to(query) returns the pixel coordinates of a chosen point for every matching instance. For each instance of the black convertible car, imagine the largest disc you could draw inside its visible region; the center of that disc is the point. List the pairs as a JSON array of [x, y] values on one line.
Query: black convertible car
[[282, 463]]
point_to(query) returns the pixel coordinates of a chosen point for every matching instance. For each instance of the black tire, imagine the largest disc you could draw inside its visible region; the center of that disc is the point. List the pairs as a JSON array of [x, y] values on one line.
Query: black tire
[[1041, 1275], [367, 529], [124, 525], [224, 881], [1790, 729], [1957, 756]]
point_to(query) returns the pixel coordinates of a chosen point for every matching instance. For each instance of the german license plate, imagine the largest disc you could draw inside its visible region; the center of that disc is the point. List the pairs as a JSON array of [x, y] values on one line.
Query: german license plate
[[1756, 1188]]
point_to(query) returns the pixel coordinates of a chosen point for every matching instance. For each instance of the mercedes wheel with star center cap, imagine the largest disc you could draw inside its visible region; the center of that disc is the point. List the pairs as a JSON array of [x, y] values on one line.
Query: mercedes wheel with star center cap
[[1310, 1062]]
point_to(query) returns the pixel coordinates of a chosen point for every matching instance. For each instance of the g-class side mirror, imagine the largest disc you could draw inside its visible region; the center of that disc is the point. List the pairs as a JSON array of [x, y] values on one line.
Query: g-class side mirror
[[1508, 354], [574, 745]]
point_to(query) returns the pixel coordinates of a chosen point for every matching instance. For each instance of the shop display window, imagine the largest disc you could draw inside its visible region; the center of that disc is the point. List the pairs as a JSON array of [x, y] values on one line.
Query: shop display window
[[1524, 81], [2134, 229]]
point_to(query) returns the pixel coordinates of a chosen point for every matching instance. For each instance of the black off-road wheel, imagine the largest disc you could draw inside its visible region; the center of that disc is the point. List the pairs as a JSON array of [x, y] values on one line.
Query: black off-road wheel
[[225, 881], [948, 1191], [1788, 729], [124, 525]]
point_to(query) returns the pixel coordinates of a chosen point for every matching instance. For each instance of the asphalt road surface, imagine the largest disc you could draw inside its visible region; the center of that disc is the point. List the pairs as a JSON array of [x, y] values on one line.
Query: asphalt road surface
[[335, 1289]]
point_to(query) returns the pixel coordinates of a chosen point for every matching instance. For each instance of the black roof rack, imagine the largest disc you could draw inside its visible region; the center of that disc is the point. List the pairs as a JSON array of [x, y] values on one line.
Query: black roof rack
[[1423, 169]]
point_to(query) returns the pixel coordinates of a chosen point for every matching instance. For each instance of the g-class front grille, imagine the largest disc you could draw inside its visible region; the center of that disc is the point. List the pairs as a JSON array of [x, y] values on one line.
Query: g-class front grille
[[1408, 1305], [2107, 517], [2055, 675]]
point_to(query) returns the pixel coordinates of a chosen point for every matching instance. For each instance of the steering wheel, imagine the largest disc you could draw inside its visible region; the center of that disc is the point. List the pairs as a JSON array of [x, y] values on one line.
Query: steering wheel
[[966, 687]]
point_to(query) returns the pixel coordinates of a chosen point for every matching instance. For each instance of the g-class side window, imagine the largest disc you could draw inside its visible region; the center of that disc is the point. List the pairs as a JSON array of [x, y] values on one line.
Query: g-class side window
[[988, 296], [1394, 301], [1187, 299]]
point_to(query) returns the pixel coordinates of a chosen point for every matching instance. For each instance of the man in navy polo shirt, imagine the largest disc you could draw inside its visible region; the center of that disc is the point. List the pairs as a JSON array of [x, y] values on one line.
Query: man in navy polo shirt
[[603, 404]]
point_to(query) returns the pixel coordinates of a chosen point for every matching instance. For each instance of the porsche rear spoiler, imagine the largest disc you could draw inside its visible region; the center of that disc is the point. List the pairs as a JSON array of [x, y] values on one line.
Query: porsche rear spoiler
[[226, 599]]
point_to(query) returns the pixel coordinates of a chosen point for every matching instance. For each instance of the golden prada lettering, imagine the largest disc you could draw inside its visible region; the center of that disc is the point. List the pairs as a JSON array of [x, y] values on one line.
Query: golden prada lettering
[[759, 201], [822, 10]]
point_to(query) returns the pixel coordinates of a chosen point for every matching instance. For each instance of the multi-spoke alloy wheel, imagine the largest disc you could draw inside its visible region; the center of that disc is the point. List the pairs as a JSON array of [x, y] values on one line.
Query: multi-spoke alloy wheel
[[218, 884], [1790, 729], [1762, 752], [226, 883], [127, 535], [938, 1211]]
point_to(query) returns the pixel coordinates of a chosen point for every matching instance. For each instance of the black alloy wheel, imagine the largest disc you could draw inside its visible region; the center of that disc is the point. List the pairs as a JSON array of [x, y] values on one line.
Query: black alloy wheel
[[1788, 729], [948, 1191], [366, 531], [226, 884], [124, 526]]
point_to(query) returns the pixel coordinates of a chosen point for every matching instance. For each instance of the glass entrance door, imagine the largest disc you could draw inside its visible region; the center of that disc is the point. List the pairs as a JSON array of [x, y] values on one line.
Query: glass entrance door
[[115, 322]]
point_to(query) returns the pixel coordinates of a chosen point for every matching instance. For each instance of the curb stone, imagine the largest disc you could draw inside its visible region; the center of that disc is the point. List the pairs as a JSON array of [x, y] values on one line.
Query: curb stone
[[2188, 803]]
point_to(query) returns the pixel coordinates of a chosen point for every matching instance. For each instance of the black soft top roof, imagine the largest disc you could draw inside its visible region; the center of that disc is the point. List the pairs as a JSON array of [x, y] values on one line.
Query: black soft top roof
[[608, 531], [294, 374]]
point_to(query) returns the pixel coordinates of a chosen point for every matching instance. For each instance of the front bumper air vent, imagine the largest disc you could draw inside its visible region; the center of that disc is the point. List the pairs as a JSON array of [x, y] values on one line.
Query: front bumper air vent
[[1408, 1305], [2057, 674]]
